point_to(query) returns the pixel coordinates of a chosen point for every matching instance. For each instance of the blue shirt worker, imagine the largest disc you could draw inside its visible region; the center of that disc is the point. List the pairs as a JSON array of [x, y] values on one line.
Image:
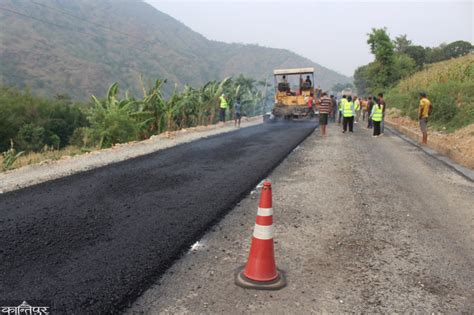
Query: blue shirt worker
[[237, 113]]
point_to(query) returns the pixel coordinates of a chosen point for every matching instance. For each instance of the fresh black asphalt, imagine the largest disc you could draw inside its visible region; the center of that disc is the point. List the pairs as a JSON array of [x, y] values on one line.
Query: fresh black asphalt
[[90, 243]]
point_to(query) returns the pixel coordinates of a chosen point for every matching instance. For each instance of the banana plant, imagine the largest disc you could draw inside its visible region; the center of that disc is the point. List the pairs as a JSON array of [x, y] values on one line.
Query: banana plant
[[171, 108], [153, 106], [114, 120], [10, 156]]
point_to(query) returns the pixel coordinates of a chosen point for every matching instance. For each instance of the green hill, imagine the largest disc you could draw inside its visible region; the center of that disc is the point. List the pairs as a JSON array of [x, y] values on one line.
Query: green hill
[[78, 47], [450, 87]]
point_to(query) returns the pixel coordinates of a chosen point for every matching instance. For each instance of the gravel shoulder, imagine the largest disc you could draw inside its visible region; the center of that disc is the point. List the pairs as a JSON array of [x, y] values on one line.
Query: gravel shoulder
[[49, 170], [362, 225], [459, 146]]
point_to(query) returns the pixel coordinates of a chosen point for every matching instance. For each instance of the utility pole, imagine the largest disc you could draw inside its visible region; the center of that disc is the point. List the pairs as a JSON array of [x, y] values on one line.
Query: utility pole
[[264, 105]]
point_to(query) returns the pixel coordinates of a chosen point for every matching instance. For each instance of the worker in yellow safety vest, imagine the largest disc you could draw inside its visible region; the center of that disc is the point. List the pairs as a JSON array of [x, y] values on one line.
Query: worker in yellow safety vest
[[340, 107], [223, 105], [376, 116], [348, 113]]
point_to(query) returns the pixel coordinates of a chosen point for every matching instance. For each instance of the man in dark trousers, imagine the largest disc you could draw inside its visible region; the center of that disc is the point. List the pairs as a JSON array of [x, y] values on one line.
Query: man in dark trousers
[[223, 105], [325, 108], [334, 108], [381, 102], [340, 105], [348, 113]]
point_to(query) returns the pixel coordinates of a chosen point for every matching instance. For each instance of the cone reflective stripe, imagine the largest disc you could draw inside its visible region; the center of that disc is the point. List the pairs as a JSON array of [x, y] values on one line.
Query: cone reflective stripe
[[260, 272], [263, 232]]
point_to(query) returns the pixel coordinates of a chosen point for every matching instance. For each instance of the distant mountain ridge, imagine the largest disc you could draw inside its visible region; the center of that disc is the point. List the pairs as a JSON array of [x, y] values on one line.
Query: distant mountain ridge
[[79, 47]]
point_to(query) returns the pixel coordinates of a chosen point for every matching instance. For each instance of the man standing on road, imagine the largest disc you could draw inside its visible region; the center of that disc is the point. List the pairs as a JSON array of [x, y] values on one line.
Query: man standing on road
[[237, 113], [370, 105], [424, 112], [357, 109], [334, 108], [223, 105], [325, 108], [364, 108], [340, 107], [376, 116], [381, 102], [348, 112]]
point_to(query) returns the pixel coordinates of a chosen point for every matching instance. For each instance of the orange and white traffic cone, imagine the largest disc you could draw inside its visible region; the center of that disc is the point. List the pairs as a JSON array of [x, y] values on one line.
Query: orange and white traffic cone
[[260, 272]]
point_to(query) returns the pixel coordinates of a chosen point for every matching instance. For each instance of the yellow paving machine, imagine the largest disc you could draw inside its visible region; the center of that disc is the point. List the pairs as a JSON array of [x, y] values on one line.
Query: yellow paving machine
[[295, 94]]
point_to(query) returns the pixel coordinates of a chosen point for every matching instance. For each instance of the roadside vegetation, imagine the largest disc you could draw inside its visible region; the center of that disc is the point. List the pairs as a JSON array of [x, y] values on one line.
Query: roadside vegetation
[[400, 58], [34, 128], [450, 87], [401, 70]]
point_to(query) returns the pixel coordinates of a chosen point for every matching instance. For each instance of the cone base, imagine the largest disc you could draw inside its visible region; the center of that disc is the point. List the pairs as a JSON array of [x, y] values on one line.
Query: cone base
[[242, 281]]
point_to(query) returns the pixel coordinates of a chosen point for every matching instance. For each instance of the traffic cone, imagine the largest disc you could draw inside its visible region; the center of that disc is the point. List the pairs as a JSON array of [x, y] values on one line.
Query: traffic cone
[[260, 272]]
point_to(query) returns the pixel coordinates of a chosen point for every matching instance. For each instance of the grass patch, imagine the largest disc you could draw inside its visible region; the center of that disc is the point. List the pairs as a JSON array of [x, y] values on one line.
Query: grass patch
[[46, 155]]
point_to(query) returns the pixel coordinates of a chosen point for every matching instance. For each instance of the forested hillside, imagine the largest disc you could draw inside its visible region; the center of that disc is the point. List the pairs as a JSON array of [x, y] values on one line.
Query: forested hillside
[[79, 47]]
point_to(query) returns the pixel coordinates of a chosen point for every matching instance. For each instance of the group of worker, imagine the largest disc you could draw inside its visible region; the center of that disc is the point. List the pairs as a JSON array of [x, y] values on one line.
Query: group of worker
[[349, 109]]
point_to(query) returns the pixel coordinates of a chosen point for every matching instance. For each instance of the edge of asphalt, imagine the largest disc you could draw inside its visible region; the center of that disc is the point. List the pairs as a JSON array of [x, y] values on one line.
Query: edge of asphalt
[[30, 175], [461, 170], [125, 304]]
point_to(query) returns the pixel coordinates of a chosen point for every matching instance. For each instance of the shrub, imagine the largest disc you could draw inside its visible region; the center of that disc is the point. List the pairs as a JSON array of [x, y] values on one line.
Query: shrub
[[30, 137], [58, 118], [112, 126], [82, 138]]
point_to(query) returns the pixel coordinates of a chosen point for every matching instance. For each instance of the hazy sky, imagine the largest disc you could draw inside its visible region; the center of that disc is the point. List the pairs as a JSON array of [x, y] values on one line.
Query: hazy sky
[[333, 34]]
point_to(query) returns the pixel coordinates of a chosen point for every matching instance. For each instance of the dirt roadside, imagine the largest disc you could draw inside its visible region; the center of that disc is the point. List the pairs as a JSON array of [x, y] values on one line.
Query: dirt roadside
[[362, 225], [48, 170], [458, 146]]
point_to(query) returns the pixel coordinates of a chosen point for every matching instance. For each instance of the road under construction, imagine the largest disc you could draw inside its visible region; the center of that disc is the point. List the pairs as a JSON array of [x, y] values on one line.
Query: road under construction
[[361, 224], [92, 242]]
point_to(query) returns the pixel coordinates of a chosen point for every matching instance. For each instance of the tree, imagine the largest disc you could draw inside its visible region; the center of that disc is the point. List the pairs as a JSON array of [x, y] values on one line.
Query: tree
[[362, 80], [402, 43], [112, 119], [403, 67], [457, 49], [383, 49], [152, 107], [381, 46], [435, 54], [338, 87], [418, 54]]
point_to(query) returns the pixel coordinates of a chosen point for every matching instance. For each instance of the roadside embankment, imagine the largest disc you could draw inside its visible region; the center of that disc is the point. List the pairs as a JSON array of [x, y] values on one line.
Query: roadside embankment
[[458, 146], [67, 165]]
